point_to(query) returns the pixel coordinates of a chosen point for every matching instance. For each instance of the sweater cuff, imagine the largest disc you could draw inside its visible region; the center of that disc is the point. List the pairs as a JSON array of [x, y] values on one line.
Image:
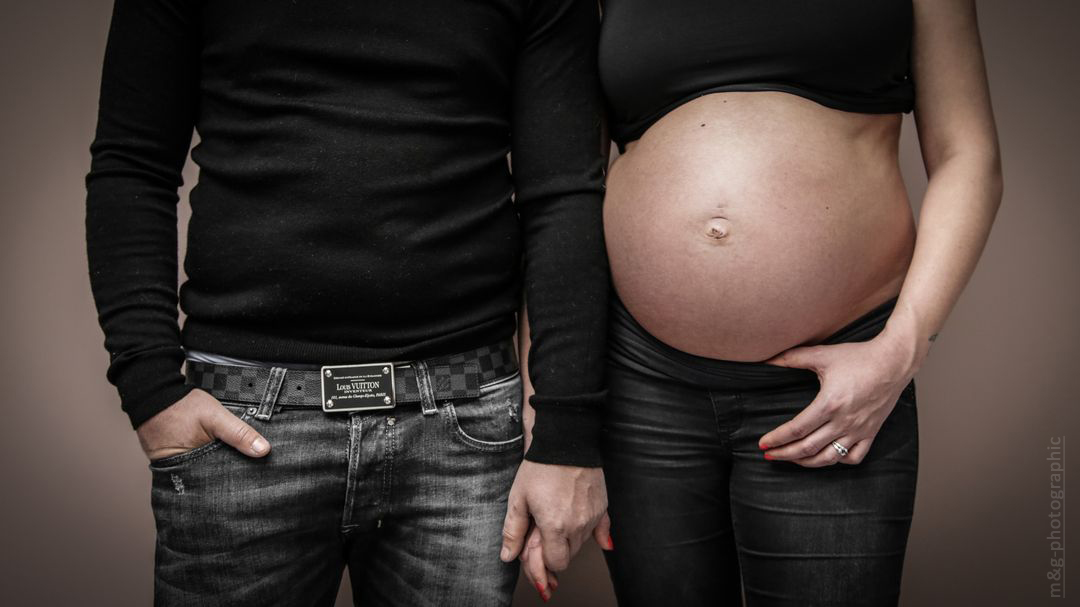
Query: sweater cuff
[[150, 383], [566, 430]]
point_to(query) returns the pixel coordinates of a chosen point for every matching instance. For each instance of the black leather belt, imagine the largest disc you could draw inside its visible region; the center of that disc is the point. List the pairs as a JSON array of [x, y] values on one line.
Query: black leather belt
[[357, 387]]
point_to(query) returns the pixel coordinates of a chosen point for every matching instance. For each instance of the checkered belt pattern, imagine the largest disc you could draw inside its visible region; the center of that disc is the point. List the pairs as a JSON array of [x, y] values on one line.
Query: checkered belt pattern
[[456, 376]]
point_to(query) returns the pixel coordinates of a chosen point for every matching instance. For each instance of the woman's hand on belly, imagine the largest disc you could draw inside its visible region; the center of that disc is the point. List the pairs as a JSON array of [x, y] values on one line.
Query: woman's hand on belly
[[860, 385]]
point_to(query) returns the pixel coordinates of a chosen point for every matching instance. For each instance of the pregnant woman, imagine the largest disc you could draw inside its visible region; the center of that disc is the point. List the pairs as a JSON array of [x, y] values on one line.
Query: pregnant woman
[[773, 298]]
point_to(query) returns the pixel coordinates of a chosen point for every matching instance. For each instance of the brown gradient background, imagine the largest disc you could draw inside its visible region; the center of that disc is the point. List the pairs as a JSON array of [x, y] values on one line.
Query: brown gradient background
[[76, 522]]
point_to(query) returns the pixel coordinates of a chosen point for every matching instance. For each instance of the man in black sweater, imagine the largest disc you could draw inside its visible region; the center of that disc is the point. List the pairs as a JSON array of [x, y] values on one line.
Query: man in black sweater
[[357, 252]]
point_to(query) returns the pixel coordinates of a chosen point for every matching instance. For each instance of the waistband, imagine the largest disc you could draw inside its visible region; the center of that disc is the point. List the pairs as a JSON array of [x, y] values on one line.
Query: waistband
[[449, 377], [634, 347]]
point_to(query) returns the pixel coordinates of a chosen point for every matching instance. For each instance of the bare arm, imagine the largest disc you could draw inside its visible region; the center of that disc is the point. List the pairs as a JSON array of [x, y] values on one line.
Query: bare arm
[[862, 381], [960, 151]]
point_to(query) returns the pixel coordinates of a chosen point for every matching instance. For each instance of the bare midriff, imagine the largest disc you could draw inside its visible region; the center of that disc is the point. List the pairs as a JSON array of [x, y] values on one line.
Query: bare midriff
[[743, 224]]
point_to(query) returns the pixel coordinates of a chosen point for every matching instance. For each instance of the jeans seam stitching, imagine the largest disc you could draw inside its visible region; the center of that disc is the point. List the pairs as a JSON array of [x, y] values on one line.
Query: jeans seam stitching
[[500, 380], [720, 430], [475, 443], [350, 472], [388, 471]]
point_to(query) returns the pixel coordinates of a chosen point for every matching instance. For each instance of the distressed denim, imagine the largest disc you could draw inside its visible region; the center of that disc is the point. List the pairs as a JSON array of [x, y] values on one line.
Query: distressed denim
[[699, 517], [412, 503]]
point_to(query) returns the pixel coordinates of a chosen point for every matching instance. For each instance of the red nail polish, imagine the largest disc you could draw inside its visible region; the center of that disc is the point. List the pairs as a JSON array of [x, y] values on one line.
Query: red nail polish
[[767, 456], [539, 588], [762, 446], [610, 543]]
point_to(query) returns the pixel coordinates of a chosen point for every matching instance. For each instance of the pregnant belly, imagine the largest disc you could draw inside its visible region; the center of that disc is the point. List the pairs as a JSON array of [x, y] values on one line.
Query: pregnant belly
[[742, 224]]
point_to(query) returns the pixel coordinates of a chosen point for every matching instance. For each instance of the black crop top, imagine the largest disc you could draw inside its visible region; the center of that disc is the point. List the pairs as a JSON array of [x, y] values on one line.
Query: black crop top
[[851, 55]]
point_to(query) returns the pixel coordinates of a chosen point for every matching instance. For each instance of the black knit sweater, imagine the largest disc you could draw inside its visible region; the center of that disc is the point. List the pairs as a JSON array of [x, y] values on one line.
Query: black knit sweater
[[354, 200]]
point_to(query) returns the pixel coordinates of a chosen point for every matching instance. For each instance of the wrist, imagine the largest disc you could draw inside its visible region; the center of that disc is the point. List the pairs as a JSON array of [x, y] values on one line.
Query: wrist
[[905, 343], [566, 430], [149, 383]]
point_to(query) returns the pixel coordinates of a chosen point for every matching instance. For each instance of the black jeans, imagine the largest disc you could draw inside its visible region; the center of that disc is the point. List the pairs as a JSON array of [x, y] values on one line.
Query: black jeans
[[410, 499], [698, 514]]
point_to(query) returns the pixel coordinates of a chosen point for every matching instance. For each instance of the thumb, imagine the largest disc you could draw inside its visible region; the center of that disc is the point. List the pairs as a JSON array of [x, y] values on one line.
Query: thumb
[[234, 431], [515, 527], [602, 533], [802, 357]]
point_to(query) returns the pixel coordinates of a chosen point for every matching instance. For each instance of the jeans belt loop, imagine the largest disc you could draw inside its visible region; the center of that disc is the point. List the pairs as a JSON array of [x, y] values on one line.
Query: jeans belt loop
[[270, 395], [423, 382]]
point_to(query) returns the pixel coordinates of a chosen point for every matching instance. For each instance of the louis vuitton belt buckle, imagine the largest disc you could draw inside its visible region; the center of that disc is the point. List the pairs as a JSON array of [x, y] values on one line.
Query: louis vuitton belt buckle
[[358, 387]]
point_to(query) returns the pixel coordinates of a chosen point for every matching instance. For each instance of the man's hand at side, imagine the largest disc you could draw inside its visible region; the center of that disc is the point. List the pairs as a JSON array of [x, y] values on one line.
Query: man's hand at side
[[193, 421], [566, 503]]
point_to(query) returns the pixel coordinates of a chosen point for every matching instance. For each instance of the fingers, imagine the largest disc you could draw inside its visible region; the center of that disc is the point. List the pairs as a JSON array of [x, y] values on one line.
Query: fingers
[[827, 455], [803, 357], [602, 533], [556, 549], [802, 425], [807, 447], [566, 503], [532, 564], [515, 526], [856, 453], [233, 431]]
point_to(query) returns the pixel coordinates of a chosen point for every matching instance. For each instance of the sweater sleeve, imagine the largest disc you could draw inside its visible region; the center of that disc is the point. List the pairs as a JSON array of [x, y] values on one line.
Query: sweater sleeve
[[146, 114], [558, 170]]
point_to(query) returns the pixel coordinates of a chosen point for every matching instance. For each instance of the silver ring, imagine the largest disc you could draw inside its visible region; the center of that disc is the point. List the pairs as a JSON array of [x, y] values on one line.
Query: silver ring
[[842, 450]]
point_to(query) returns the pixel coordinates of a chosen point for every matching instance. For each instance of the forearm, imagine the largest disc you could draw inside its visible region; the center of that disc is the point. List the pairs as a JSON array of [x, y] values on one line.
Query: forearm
[[961, 201], [146, 114], [566, 295], [557, 167], [959, 146], [131, 240]]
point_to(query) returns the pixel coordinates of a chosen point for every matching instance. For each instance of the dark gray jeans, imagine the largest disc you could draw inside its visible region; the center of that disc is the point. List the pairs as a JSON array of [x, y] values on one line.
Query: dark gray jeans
[[700, 517], [412, 504]]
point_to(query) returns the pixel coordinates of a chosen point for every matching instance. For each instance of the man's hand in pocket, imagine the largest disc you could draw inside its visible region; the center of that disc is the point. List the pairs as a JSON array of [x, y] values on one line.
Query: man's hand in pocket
[[193, 421]]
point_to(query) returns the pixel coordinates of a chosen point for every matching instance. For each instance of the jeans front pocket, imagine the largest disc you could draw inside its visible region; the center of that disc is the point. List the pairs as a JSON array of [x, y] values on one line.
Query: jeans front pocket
[[242, 411], [492, 421]]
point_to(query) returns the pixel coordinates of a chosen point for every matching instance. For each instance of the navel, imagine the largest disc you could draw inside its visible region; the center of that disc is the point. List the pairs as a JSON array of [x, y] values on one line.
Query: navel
[[717, 228]]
